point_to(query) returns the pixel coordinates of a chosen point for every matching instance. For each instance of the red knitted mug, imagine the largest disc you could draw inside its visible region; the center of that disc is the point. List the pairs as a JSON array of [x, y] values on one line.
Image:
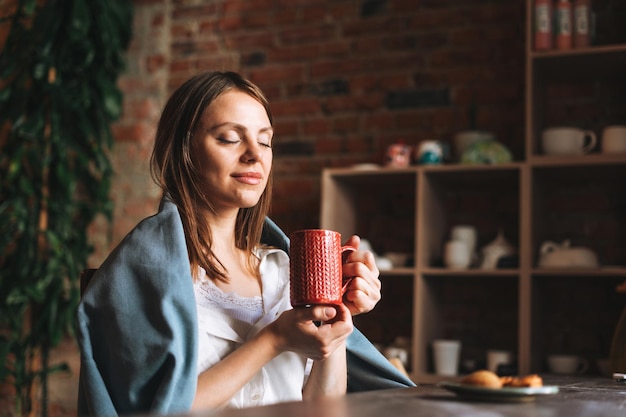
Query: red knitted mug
[[315, 267]]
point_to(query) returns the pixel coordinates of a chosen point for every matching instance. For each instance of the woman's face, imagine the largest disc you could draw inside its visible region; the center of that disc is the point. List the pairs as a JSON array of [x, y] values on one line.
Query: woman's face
[[232, 150]]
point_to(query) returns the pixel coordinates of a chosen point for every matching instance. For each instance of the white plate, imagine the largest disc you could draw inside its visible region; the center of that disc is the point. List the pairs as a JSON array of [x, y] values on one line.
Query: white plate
[[504, 394]]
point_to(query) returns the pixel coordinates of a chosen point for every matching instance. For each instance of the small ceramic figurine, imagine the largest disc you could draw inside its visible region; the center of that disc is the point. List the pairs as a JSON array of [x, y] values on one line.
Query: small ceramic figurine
[[496, 249], [398, 155]]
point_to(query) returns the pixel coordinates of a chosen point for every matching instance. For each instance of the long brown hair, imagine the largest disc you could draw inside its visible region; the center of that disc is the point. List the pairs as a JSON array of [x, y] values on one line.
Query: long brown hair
[[173, 168]]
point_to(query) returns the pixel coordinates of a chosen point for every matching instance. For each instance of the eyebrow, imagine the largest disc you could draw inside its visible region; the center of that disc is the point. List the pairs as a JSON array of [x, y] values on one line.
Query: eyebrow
[[239, 127]]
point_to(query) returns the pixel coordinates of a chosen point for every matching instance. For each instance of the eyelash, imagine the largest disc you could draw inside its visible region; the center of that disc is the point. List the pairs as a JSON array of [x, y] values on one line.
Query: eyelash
[[227, 141], [232, 142]]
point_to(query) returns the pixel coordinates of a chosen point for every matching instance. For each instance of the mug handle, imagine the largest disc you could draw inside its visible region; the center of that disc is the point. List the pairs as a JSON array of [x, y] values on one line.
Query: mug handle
[[592, 141], [345, 250]]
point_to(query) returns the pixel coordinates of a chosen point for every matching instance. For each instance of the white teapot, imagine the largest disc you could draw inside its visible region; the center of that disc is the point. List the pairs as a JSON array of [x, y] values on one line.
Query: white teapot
[[553, 255]]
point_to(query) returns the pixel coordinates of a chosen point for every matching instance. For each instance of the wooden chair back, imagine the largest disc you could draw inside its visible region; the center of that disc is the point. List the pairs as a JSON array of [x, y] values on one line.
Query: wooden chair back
[[85, 278]]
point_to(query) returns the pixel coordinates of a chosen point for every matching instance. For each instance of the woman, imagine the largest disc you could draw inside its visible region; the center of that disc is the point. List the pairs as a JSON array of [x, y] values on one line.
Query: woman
[[191, 310]]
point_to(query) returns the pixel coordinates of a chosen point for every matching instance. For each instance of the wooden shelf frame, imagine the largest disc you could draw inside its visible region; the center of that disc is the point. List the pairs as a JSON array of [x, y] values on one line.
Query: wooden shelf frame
[[424, 187]]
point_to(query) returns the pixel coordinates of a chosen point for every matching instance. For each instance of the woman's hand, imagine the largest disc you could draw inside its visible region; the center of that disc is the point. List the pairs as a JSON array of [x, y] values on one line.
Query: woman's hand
[[294, 330], [363, 292], [299, 330]]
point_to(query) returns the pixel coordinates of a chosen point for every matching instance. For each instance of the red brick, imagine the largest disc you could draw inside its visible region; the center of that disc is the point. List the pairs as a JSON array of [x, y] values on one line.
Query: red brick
[[303, 106], [192, 12], [293, 53], [316, 126], [303, 35], [292, 72]]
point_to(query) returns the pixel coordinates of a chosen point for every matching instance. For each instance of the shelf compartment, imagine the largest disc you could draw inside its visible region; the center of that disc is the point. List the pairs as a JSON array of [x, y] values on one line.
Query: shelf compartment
[[587, 91], [573, 314], [486, 198], [586, 206], [481, 311], [377, 205]]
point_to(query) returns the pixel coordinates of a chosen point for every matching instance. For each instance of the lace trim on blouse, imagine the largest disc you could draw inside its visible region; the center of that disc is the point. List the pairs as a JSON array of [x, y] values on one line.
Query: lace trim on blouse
[[210, 294]]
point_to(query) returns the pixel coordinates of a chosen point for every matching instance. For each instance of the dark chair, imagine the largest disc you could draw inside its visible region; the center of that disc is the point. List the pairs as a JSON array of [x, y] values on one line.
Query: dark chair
[[85, 278]]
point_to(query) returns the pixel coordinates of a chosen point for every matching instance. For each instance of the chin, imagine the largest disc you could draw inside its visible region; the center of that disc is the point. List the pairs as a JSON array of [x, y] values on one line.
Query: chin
[[249, 202]]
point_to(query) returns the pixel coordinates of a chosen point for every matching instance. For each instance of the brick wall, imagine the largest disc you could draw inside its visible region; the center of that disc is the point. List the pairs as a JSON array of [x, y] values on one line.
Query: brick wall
[[345, 79]]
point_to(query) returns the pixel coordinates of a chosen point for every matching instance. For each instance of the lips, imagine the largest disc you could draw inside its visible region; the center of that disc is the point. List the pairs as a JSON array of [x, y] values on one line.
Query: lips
[[251, 178]]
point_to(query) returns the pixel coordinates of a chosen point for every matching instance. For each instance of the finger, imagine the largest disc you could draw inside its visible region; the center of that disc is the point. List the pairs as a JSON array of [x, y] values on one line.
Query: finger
[[359, 269], [343, 313], [358, 302], [353, 241], [362, 286], [315, 313], [364, 257], [323, 313], [341, 325]]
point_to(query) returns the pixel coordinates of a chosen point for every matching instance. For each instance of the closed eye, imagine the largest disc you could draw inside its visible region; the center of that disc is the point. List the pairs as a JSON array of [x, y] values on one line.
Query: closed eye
[[227, 141], [265, 138]]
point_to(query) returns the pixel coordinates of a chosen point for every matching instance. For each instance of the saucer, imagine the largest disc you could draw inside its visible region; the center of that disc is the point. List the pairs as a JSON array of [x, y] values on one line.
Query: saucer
[[504, 394]]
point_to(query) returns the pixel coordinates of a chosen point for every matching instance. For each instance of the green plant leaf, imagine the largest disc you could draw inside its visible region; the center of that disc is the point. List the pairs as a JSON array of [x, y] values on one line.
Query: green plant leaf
[[55, 128]]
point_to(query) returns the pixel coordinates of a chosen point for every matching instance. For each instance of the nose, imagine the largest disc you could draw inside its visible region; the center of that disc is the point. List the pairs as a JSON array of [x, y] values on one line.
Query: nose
[[252, 153]]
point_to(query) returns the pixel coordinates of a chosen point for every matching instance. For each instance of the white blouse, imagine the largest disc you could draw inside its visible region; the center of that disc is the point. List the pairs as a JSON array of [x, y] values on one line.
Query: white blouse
[[227, 320]]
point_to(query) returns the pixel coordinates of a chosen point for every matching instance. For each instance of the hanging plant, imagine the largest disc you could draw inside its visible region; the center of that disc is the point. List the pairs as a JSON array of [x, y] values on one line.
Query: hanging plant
[[58, 97]]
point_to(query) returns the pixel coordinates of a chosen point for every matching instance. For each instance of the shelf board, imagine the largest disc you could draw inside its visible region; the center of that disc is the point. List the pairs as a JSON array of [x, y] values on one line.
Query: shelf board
[[397, 271], [577, 160], [607, 271], [452, 167], [470, 272], [590, 51], [381, 170], [458, 167]]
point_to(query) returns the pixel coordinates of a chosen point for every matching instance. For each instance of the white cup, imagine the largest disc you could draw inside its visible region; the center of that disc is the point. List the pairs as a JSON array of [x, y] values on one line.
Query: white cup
[[496, 358], [567, 141], [446, 355], [465, 233], [567, 364], [614, 139], [457, 255]]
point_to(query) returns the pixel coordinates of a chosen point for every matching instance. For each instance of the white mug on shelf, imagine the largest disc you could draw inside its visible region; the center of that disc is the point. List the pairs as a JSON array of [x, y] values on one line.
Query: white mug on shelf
[[495, 358], [567, 141], [614, 139], [446, 355]]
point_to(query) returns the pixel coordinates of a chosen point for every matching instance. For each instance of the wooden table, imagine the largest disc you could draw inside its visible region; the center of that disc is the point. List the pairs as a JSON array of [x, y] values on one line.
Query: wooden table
[[577, 397]]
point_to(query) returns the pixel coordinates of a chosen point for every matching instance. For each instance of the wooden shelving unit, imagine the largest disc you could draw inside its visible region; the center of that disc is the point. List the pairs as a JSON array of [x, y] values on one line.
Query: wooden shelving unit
[[412, 210]]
